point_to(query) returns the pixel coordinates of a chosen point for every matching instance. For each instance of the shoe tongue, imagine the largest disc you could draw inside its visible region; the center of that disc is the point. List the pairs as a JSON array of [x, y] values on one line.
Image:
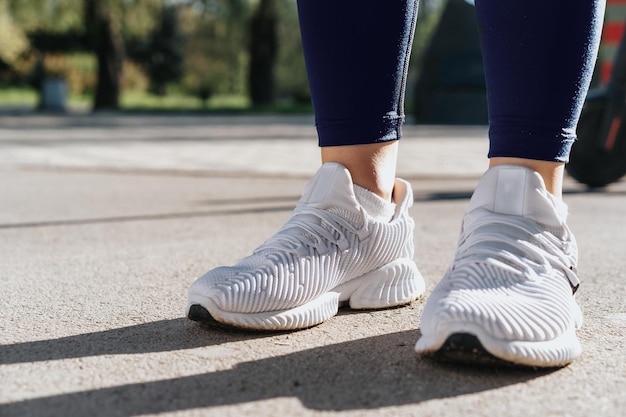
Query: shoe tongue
[[519, 191], [332, 188]]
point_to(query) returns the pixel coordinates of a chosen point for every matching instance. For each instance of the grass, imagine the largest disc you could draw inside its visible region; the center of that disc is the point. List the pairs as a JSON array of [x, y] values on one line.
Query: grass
[[18, 97], [25, 98], [181, 102], [28, 98]]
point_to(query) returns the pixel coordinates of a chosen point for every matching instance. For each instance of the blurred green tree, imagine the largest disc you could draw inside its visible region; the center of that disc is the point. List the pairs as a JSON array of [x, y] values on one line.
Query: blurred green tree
[[44, 15], [104, 33], [215, 57], [290, 77], [13, 40], [161, 54], [244, 48], [166, 49], [66, 26], [263, 44], [108, 23]]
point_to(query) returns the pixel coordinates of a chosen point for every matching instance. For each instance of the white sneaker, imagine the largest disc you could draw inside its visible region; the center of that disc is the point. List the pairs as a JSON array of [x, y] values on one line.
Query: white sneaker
[[508, 296], [330, 251]]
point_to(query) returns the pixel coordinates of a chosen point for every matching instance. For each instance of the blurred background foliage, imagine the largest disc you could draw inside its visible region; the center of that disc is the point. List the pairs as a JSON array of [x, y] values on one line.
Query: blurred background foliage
[[164, 54]]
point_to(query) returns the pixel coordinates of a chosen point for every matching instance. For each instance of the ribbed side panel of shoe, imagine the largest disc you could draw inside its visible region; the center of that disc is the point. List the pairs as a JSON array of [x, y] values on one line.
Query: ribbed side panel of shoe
[[277, 282], [536, 310], [296, 282], [396, 283], [386, 243]]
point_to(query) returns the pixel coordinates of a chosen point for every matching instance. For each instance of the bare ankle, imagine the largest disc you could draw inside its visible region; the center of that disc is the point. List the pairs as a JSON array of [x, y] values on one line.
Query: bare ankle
[[372, 166]]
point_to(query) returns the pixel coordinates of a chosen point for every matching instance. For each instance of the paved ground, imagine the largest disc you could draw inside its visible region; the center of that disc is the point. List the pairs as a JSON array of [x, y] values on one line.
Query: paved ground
[[105, 221]]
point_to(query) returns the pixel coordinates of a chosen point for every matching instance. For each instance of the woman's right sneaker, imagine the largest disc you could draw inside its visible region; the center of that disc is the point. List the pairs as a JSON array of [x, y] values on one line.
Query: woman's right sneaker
[[330, 251]]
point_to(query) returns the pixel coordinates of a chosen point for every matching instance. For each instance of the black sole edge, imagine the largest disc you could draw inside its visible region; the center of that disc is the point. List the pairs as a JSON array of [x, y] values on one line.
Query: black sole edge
[[202, 316], [466, 349]]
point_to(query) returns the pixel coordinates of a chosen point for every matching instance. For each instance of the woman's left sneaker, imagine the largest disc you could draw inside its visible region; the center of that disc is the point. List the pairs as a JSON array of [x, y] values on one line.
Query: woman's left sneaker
[[508, 297]]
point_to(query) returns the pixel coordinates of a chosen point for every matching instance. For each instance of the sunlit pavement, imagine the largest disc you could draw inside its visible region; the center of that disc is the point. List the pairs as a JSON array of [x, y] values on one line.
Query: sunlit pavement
[[105, 221]]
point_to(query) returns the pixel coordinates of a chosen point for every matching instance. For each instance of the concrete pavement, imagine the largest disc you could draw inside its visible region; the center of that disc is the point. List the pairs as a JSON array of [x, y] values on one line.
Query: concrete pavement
[[268, 145], [105, 220]]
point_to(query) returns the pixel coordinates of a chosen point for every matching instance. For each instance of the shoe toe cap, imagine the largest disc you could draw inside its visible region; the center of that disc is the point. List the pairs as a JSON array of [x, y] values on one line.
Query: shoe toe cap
[[515, 313]]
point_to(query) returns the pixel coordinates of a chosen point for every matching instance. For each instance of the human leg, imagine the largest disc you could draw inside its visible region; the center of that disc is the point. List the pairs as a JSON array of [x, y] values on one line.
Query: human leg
[[539, 60], [350, 238], [507, 297], [357, 55]]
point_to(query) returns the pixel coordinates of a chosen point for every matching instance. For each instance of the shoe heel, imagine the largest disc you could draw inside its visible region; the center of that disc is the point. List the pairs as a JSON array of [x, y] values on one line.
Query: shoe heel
[[396, 283]]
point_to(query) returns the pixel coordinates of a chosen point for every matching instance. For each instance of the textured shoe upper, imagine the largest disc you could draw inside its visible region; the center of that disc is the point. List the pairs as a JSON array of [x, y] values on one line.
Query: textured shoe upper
[[328, 239], [513, 272]]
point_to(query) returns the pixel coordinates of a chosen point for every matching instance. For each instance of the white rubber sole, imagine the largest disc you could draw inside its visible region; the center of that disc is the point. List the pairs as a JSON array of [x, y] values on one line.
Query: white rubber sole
[[559, 351], [397, 283]]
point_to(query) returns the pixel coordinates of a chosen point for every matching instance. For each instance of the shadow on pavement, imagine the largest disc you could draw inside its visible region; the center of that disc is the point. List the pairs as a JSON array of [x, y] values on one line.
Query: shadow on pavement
[[255, 208], [466, 195], [144, 217], [158, 336], [375, 372]]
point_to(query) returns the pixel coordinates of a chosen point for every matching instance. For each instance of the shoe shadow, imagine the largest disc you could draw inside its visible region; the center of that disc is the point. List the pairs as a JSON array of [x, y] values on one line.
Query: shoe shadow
[[420, 196], [158, 336], [369, 373]]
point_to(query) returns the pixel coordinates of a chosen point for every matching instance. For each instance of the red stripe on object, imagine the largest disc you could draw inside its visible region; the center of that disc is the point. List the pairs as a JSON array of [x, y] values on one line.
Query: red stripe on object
[[610, 139], [605, 72], [615, 1], [612, 32]]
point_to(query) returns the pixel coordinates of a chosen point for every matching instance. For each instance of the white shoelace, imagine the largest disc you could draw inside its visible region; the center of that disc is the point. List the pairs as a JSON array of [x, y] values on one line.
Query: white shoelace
[[311, 230], [516, 242]]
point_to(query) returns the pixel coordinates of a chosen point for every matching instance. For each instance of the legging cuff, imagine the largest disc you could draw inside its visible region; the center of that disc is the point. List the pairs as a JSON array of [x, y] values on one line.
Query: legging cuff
[[359, 131], [539, 144]]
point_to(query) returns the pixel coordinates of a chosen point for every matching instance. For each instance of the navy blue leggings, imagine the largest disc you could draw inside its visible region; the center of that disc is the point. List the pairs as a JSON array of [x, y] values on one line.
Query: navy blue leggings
[[538, 55]]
